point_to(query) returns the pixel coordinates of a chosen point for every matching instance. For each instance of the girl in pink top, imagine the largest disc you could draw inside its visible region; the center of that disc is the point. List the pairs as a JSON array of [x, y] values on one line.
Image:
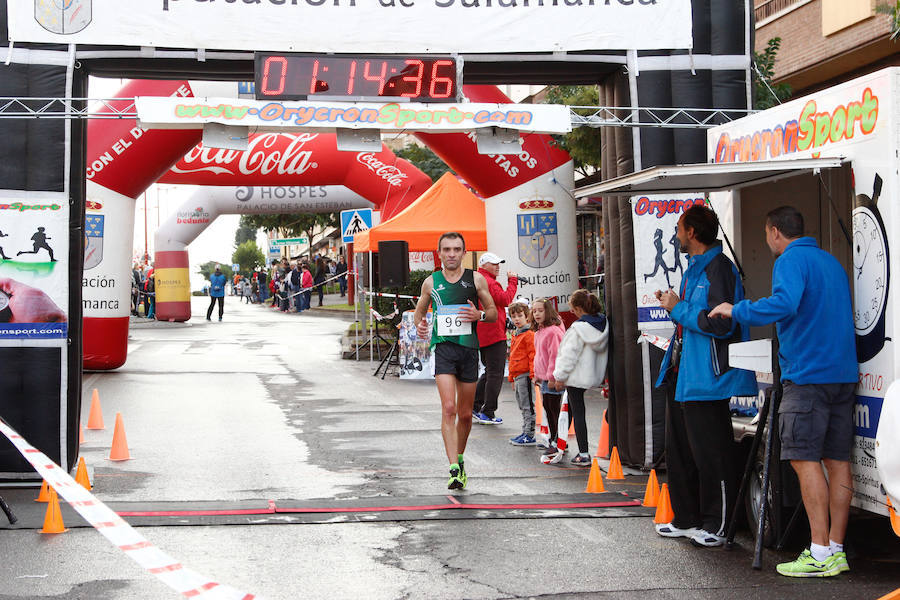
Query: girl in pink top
[[548, 333]]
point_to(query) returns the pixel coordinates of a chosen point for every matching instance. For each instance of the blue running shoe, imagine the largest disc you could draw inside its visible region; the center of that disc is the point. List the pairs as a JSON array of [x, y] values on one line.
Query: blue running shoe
[[523, 440], [491, 420], [480, 417]]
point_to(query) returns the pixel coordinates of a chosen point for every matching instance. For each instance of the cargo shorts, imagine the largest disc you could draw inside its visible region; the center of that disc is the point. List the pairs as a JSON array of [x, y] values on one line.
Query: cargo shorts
[[816, 421]]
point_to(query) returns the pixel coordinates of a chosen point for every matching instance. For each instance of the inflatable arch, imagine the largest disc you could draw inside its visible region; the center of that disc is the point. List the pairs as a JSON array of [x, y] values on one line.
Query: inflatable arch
[[124, 160], [173, 300]]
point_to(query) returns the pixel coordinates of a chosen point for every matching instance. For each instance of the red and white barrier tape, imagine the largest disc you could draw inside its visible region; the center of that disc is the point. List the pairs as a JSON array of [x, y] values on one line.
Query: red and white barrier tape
[[562, 433], [186, 582], [659, 342]]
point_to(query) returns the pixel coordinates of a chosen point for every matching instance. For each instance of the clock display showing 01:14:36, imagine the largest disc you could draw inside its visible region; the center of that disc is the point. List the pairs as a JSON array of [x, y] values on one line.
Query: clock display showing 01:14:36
[[294, 77]]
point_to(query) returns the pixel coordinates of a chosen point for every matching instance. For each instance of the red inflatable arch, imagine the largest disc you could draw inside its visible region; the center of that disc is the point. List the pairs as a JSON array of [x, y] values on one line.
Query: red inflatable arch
[[124, 160]]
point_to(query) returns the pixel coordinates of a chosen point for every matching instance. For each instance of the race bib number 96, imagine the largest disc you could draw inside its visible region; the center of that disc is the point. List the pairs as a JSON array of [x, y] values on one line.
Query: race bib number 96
[[449, 321]]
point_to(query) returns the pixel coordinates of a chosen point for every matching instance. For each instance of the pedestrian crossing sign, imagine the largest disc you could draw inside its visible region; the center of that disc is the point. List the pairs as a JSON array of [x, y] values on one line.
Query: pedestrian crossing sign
[[355, 221]]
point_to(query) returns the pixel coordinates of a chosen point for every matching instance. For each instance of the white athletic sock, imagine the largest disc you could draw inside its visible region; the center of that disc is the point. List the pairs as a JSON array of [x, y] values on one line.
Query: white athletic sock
[[835, 547], [818, 552]]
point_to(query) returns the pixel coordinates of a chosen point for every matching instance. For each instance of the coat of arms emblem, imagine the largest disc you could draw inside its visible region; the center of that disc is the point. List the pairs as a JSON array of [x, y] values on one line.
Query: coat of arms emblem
[[63, 16], [538, 239], [93, 240]]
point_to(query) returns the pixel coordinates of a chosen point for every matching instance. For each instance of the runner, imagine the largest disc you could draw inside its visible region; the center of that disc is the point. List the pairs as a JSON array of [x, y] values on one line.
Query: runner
[[452, 293]]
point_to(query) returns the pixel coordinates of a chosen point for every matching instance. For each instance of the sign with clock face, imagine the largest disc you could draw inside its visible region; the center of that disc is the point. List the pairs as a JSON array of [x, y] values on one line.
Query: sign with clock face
[[871, 274], [335, 77]]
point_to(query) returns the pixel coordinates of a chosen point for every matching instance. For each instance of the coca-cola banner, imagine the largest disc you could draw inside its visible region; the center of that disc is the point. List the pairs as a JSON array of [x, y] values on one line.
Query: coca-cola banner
[[167, 113], [359, 26], [305, 159]]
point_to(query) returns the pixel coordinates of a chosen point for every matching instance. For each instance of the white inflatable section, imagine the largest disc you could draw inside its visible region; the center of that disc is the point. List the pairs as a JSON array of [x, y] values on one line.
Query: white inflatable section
[[887, 444], [109, 219], [208, 202], [532, 227]]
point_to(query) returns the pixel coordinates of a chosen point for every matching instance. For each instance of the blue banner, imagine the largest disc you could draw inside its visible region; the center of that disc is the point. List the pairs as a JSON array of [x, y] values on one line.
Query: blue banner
[[31, 331], [866, 414]]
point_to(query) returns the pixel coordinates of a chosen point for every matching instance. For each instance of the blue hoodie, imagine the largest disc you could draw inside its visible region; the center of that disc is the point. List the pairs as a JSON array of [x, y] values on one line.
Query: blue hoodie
[[810, 305], [217, 285], [703, 372]]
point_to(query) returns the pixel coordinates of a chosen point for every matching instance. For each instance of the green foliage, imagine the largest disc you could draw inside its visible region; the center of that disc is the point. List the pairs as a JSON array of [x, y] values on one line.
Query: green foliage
[[427, 161], [894, 11], [245, 232], [248, 256], [765, 65], [582, 143], [293, 225], [385, 305], [207, 269]]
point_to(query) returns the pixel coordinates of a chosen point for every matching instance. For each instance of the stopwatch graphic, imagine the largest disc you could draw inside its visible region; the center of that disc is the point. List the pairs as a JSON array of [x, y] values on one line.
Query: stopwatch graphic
[[5, 313], [871, 274]]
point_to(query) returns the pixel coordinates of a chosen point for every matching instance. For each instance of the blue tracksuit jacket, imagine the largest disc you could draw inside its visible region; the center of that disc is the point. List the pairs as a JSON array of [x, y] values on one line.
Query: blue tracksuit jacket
[[703, 372], [810, 305], [217, 285]]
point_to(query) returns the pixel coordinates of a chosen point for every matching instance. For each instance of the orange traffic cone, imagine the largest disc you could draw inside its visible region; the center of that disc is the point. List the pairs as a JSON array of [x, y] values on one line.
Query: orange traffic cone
[[651, 494], [895, 595], [895, 519], [664, 512], [81, 475], [80, 433], [595, 480], [603, 446], [95, 417], [44, 494], [53, 522], [615, 466], [119, 450]]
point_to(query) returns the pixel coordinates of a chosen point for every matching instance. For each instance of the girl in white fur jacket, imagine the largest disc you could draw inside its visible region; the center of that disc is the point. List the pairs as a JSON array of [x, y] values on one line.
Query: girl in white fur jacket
[[581, 363]]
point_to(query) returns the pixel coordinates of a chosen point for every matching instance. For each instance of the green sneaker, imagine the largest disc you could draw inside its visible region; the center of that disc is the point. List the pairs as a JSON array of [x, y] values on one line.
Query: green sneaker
[[807, 566], [838, 560], [455, 482]]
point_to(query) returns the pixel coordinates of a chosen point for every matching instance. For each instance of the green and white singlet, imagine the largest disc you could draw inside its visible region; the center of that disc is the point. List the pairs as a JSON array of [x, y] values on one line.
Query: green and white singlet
[[446, 301]]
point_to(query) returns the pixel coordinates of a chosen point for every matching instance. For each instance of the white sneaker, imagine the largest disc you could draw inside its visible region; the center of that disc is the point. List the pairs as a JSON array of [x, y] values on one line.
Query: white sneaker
[[707, 539], [670, 531]]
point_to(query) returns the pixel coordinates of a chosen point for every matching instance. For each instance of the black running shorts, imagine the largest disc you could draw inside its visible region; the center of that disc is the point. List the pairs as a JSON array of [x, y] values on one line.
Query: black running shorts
[[453, 359]]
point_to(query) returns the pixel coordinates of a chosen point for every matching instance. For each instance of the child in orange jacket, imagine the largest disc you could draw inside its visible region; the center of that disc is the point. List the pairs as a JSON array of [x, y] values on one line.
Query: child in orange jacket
[[521, 370]]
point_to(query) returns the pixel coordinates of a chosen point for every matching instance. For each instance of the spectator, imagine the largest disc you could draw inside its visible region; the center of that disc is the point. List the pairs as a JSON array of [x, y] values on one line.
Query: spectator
[[295, 279], [263, 281], [320, 277], [581, 363], [492, 341], [521, 370], [216, 293], [548, 333], [306, 282], [341, 269]]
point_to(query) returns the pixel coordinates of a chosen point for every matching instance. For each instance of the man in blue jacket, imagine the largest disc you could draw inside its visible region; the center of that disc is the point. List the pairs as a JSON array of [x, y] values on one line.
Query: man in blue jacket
[[216, 293], [699, 385], [810, 305]]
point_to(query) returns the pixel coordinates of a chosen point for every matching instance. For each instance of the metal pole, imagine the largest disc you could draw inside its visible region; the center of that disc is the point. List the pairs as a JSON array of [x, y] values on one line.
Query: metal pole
[[146, 251], [371, 333]]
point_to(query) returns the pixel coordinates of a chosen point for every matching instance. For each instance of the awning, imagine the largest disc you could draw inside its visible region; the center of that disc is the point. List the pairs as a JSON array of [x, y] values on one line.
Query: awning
[[705, 177]]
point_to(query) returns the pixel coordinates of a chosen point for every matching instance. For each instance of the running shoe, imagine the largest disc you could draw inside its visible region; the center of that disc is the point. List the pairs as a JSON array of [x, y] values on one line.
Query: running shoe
[[670, 531], [839, 561], [523, 440], [581, 460], [807, 566], [481, 418], [455, 482], [706, 539], [491, 420]]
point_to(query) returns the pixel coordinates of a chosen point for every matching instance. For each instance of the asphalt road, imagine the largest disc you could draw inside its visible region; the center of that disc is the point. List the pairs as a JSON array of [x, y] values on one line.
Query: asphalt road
[[260, 410]]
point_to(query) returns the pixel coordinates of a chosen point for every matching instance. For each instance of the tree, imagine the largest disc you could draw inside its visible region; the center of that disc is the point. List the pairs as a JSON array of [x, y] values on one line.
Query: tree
[[245, 232], [765, 93], [425, 160], [248, 256], [294, 225], [207, 269], [582, 143]]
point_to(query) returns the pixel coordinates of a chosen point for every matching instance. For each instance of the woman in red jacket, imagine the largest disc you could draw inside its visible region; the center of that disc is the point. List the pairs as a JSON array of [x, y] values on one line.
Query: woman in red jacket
[[492, 341]]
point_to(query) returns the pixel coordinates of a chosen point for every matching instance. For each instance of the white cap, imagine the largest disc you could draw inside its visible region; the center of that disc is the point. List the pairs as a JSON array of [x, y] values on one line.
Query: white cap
[[490, 257]]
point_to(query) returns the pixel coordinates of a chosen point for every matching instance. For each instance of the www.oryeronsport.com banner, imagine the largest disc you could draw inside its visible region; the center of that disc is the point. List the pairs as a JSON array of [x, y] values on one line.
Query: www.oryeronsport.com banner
[[34, 248], [359, 26]]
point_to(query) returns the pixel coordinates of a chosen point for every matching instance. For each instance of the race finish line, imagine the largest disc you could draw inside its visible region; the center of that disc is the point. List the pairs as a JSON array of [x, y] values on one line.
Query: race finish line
[[186, 582]]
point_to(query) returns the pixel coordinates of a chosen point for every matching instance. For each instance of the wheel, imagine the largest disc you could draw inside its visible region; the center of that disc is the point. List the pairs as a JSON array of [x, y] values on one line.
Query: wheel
[[753, 501]]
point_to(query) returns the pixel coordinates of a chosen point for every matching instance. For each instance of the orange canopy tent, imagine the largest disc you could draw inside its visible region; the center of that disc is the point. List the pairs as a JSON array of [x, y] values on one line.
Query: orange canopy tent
[[445, 206]]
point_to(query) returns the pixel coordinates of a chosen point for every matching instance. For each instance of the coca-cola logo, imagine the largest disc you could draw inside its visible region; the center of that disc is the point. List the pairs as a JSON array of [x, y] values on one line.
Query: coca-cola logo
[[260, 157], [389, 173]]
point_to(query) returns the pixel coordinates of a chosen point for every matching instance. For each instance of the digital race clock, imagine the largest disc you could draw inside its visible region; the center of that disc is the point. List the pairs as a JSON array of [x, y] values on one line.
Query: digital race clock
[[343, 77]]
